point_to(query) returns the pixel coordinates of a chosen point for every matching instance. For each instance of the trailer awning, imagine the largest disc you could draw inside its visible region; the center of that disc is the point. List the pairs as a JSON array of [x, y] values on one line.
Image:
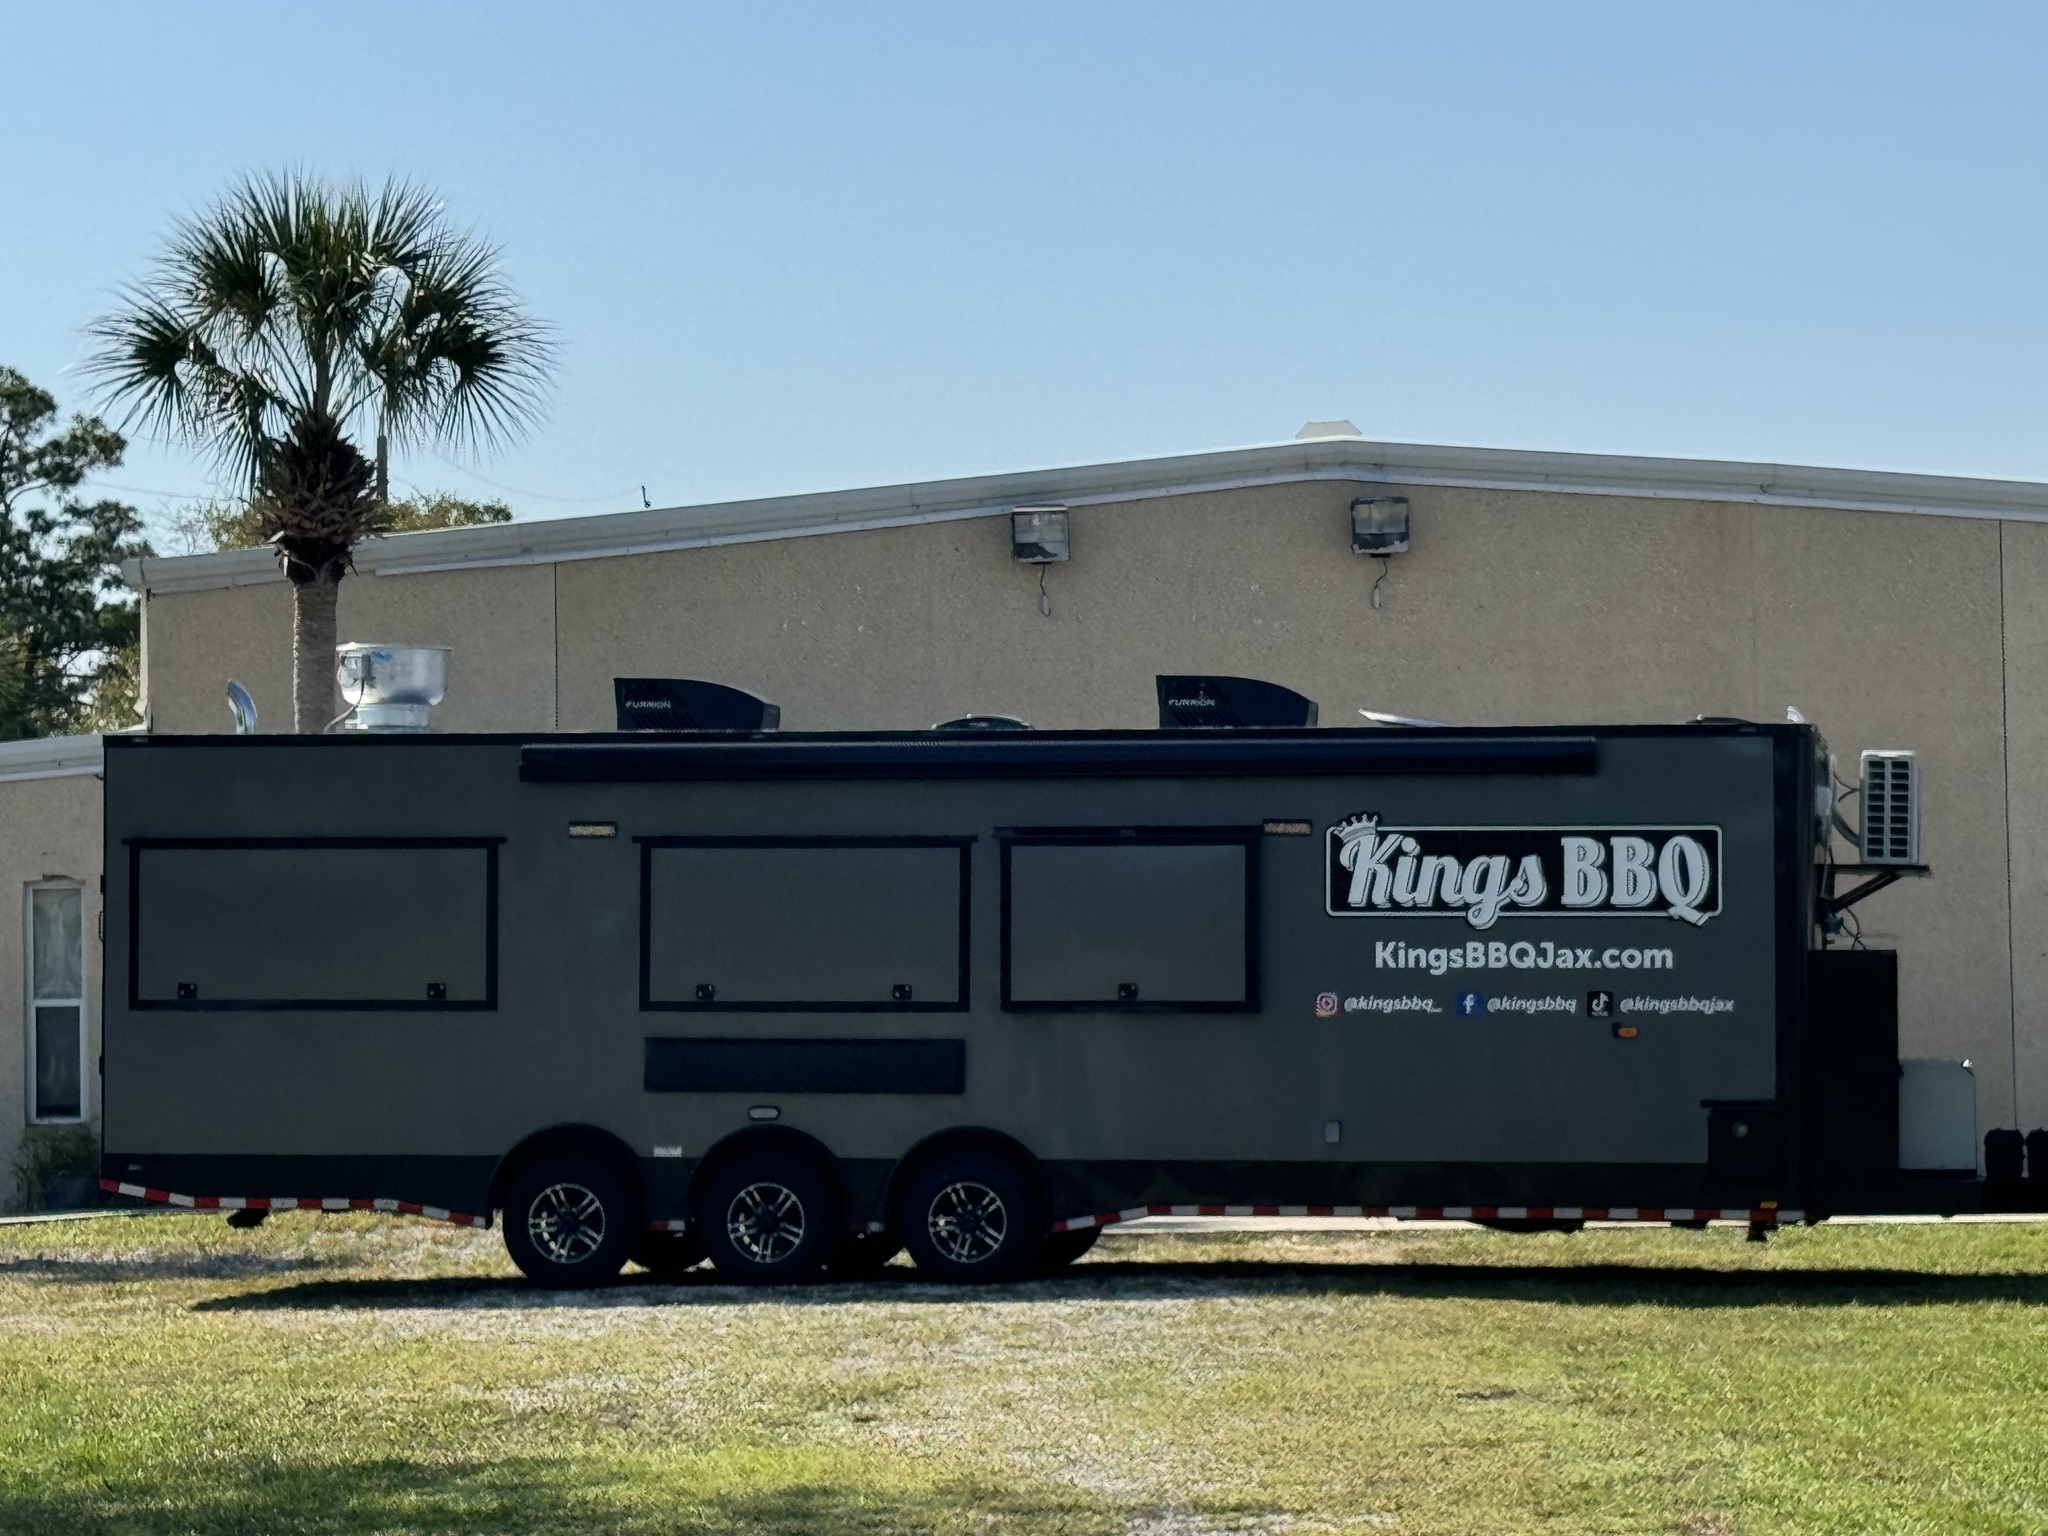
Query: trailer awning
[[1109, 756]]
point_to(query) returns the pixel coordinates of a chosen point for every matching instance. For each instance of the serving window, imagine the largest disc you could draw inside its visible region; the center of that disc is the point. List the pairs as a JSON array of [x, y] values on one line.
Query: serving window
[[804, 924], [1130, 921], [357, 923]]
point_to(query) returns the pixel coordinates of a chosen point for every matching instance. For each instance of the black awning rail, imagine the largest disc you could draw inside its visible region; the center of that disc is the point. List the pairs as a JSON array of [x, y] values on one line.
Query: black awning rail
[[1166, 754]]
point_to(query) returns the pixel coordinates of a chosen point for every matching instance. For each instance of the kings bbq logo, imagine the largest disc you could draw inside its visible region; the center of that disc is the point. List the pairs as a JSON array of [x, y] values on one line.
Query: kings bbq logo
[[1487, 873]]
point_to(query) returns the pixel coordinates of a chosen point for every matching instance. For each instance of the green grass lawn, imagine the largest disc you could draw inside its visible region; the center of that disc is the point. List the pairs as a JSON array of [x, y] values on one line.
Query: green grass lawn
[[357, 1374]]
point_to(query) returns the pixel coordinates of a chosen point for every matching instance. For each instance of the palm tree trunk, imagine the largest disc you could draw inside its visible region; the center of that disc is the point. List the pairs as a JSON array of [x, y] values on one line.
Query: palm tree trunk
[[313, 652]]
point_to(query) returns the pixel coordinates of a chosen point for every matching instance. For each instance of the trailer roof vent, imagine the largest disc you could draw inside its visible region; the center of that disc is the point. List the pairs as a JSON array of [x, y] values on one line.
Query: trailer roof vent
[[983, 723], [1891, 808], [390, 687], [1233, 703], [690, 704]]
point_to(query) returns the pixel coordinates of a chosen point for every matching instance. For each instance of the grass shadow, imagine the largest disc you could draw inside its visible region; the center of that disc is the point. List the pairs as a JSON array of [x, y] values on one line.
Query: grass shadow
[[1603, 1285], [157, 1266], [512, 1496]]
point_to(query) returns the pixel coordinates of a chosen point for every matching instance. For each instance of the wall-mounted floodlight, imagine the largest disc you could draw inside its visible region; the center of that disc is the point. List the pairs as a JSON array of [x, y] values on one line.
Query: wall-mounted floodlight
[[1038, 535], [1379, 525]]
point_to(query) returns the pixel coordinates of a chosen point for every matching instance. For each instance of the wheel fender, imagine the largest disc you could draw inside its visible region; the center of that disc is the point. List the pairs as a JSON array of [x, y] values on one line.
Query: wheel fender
[[572, 1140]]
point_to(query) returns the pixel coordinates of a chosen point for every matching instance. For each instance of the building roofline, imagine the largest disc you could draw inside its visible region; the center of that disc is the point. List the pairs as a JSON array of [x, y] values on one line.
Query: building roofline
[[1329, 458], [49, 757]]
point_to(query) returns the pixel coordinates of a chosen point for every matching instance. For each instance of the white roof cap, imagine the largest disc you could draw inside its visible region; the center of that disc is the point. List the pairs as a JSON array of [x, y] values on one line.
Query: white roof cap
[[1347, 459]]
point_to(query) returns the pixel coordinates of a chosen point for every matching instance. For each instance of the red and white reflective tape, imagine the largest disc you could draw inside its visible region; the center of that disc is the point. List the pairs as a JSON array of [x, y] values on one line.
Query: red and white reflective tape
[[290, 1203], [1766, 1216]]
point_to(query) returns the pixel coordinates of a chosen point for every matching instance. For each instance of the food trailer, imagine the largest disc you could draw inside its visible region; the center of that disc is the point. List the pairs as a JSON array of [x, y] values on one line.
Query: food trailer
[[798, 1000]]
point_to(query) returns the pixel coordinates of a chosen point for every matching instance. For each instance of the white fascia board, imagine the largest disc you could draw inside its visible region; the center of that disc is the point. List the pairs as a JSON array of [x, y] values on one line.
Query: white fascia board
[[1342, 459], [49, 757]]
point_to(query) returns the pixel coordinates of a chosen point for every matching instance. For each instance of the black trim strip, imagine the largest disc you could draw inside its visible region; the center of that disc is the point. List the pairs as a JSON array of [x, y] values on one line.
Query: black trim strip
[[1167, 754], [376, 741], [700, 1065], [313, 842]]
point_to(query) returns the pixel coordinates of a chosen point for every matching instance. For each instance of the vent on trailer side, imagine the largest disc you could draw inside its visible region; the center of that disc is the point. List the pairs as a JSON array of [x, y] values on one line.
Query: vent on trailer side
[[1891, 808]]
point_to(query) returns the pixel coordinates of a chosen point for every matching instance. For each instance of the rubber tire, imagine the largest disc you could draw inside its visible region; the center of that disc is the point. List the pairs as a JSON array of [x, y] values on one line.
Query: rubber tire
[[815, 1200], [1023, 1225], [668, 1255], [620, 1204], [862, 1255], [1056, 1250]]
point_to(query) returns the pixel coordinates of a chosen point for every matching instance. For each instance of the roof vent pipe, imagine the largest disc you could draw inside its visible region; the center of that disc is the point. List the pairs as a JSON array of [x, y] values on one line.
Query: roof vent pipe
[[243, 708]]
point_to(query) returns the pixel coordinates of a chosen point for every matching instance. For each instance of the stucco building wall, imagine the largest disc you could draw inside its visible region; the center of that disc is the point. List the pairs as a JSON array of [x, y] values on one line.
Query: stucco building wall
[[1513, 606], [49, 831], [499, 623]]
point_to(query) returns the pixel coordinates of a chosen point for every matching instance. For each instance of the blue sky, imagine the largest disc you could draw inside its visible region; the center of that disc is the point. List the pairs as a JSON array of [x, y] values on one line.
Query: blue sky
[[792, 248]]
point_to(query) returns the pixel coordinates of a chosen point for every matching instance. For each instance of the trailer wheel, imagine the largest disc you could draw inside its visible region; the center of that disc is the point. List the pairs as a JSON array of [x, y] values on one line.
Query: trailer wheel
[[1056, 1250], [667, 1255], [971, 1217], [768, 1220], [570, 1222]]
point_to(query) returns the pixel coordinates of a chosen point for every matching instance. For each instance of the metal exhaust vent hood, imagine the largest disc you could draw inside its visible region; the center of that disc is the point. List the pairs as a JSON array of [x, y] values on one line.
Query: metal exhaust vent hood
[[390, 687]]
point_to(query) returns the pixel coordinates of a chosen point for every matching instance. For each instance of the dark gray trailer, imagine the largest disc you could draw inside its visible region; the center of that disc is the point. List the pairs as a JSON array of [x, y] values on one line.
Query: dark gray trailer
[[800, 998]]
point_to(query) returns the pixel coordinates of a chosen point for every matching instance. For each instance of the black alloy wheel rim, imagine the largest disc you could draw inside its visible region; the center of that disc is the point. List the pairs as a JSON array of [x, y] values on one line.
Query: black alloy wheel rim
[[968, 1222], [566, 1223], [765, 1222]]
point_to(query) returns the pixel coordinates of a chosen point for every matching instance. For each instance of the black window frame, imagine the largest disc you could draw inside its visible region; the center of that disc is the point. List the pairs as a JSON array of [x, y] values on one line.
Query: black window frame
[[137, 846], [1250, 839], [964, 846]]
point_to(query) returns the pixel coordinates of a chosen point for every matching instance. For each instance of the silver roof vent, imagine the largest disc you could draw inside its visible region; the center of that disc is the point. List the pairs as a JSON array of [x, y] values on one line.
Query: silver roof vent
[[390, 687]]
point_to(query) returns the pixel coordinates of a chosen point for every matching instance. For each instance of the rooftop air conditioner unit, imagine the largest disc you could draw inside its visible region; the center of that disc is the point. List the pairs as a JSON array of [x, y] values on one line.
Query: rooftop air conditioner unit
[[1891, 808], [1232, 703], [689, 704]]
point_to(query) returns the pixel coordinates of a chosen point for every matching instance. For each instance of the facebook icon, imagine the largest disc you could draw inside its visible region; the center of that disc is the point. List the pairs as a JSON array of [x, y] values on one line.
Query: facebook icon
[[1471, 1004]]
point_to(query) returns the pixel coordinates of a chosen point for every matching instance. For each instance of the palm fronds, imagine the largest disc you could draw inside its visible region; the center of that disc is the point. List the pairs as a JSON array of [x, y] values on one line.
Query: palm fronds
[[294, 300]]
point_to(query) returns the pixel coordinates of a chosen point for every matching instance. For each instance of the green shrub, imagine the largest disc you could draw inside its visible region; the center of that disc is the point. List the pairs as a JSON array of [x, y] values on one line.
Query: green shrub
[[48, 1151]]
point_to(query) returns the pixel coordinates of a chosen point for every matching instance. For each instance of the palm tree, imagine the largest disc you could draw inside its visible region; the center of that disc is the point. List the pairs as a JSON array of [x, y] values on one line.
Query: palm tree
[[296, 320]]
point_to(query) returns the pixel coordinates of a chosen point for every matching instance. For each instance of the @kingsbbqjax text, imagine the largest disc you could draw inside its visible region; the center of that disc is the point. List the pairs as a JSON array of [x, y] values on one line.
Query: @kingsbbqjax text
[[1677, 1005]]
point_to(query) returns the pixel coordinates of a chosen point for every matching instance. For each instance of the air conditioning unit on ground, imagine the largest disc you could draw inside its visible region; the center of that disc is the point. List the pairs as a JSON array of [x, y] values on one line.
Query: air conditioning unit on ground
[[1891, 808]]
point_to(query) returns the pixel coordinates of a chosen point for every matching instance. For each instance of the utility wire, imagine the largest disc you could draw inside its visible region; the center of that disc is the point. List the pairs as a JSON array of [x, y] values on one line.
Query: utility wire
[[513, 490]]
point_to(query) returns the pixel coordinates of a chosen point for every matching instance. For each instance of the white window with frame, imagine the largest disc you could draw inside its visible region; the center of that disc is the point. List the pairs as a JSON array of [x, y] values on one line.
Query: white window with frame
[[56, 1002]]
